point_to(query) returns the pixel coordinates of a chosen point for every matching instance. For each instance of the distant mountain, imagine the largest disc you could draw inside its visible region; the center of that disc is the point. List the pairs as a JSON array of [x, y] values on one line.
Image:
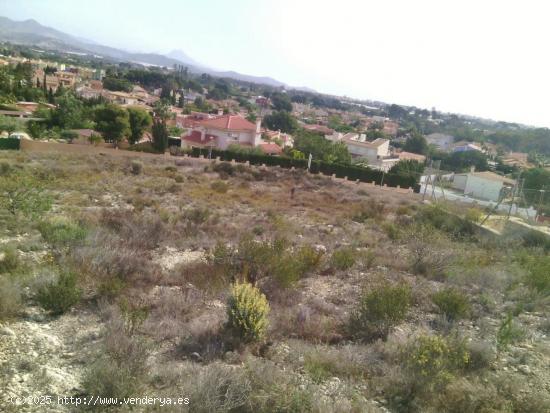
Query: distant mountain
[[32, 33], [183, 57]]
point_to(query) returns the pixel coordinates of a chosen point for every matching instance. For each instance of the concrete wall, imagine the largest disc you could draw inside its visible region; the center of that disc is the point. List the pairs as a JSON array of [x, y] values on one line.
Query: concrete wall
[[486, 189], [459, 181]]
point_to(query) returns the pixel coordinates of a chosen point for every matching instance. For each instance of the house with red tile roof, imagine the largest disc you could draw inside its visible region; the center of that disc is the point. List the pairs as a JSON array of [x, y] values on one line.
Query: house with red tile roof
[[404, 156], [223, 131]]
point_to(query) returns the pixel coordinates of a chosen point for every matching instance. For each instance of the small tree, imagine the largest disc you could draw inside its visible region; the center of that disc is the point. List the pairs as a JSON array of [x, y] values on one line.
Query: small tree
[[416, 144], [160, 135], [113, 122], [247, 312], [140, 121]]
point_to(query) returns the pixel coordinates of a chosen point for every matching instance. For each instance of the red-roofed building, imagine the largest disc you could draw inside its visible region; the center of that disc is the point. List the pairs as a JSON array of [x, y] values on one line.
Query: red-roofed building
[[319, 129], [410, 156], [199, 139], [227, 130], [270, 148]]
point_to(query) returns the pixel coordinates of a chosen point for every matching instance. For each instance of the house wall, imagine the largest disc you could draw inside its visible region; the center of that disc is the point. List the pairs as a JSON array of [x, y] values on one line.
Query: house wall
[[482, 188], [459, 181], [384, 149], [226, 138], [361, 151]]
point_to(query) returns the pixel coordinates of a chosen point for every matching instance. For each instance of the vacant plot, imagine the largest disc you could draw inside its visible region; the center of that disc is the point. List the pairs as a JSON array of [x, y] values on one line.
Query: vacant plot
[[223, 284]]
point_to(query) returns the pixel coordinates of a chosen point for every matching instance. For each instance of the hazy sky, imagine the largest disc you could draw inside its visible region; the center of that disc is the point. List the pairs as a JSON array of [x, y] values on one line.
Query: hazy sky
[[483, 57]]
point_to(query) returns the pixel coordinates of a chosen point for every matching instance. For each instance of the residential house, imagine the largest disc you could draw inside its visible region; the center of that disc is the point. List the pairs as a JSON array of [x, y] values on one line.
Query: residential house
[[229, 130], [122, 98], [516, 159], [67, 79], [487, 185], [222, 131], [285, 139], [441, 141], [464, 146], [409, 156], [319, 129], [88, 92], [359, 147], [193, 120]]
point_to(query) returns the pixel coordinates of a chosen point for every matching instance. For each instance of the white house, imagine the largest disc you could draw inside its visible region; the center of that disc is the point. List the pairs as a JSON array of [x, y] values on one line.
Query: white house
[[359, 147], [466, 147], [482, 185]]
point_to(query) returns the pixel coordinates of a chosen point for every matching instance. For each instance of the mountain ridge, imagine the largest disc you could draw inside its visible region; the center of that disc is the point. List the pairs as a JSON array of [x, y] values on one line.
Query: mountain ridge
[[32, 33]]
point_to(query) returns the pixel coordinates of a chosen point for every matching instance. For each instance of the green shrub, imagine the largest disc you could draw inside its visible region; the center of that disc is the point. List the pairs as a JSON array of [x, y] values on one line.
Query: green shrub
[[508, 333], [343, 258], [60, 295], [379, 310], [224, 168], [308, 258], [61, 232], [197, 216], [219, 186], [247, 312], [23, 195], [137, 167], [392, 231], [473, 215], [536, 239], [445, 221], [452, 303], [432, 360], [370, 210], [538, 276], [9, 260], [253, 260]]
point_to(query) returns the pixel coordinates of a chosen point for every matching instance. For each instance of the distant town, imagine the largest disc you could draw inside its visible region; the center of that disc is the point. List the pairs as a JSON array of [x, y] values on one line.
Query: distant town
[[85, 100]]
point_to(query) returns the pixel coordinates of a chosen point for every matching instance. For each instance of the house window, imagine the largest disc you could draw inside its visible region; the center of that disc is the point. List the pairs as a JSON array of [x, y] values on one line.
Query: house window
[[233, 135]]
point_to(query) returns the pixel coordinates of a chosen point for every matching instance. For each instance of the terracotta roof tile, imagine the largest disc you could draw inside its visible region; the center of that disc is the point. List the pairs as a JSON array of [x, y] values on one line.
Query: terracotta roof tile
[[229, 122]]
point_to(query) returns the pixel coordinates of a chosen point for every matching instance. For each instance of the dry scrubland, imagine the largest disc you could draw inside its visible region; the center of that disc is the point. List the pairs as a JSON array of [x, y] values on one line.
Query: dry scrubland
[[118, 279]]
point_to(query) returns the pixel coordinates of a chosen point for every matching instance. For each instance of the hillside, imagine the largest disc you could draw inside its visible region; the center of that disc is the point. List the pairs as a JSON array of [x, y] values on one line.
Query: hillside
[[122, 277]]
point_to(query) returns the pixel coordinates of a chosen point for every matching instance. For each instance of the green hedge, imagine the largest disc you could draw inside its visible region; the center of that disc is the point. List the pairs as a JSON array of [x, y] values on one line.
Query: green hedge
[[10, 143], [352, 172]]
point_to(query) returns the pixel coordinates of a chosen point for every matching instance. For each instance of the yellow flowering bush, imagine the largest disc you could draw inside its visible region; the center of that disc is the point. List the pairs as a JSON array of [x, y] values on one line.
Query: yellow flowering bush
[[434, 358], [247, 312]]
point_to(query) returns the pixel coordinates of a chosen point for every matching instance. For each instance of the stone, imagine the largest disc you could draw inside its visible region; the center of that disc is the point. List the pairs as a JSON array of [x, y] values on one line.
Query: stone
[[196, 357], [6, 331], [523, 368]]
